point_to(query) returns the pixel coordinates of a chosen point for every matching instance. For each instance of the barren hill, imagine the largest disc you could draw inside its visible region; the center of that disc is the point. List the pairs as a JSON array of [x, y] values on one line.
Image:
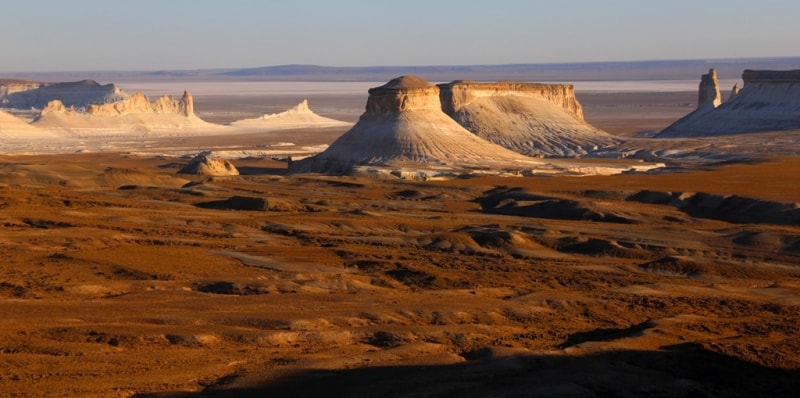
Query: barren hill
[[530, 118], [769, 101]]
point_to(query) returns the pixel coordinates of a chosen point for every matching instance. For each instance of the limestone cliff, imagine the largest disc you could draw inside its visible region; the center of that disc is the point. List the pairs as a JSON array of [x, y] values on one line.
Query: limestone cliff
[[25, 95], [530, 118], [139, 104], [404, 125], [768, 101], [136, 116], [461, 93], [708, 92]]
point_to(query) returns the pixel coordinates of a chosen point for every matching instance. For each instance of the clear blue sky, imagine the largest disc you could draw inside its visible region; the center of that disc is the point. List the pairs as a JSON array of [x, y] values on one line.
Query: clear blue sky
[[79, 35]]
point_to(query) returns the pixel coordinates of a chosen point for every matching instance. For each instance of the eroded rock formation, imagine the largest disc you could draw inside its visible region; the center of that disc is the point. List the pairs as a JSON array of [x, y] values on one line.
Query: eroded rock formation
[[708, 92], [22, 94], [136, 104], [461, 93], [403, 124], [530, 118], [769, 101], [209, 166], [299, 116]]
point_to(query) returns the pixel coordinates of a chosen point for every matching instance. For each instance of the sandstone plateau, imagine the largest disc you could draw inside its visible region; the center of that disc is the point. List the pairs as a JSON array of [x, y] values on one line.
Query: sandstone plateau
[[768, 101]]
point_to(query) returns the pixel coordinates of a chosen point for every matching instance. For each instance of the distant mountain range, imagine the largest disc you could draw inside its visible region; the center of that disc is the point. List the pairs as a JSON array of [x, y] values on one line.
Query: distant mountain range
[[566, 72]]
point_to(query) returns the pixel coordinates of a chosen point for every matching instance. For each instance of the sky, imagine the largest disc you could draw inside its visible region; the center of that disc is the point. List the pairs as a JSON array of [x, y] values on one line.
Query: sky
[[149, 35]]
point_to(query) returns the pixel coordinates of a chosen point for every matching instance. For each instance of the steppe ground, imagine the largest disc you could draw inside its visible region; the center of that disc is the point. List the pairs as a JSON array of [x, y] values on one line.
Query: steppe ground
[[119, 277]]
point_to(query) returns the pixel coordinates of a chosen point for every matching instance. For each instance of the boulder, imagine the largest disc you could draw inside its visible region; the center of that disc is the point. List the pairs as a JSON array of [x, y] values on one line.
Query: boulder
[[208, 166]]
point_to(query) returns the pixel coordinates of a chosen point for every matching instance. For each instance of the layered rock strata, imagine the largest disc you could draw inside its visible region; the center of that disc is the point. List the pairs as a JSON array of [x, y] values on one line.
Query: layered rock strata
[[14, 128], [768, 101], [26, 94], [708, 92], [530, 118], [404, 124], [134, 116], [136, 104]]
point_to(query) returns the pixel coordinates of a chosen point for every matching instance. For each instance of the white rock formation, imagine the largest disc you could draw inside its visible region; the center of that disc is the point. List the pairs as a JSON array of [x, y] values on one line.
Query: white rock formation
[[300, 116], [404, 124], [769, 101], [22, 94], [133, 116], [530, 118], [708, 91]]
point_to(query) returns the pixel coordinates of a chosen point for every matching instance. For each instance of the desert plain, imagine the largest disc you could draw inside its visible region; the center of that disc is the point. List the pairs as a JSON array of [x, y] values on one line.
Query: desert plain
[[120, 277]]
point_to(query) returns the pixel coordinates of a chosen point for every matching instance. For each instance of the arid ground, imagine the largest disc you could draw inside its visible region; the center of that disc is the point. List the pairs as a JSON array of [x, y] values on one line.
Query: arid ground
[[119, 277]]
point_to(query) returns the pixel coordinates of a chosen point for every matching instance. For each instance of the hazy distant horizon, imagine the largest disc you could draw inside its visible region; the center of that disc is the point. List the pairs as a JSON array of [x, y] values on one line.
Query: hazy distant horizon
[[150, 35]]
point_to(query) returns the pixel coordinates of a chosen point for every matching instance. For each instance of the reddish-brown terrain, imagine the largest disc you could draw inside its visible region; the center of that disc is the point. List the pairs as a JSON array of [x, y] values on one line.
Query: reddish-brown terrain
[[120, 277]]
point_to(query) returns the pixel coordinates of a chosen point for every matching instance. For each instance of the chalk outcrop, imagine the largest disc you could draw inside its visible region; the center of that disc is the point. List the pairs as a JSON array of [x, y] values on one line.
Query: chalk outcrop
[[300, 116], [136, 104], [708, 91], [205, 165], [21, 94], [769, 101], [530, 118], [136, 115], [404, 124]]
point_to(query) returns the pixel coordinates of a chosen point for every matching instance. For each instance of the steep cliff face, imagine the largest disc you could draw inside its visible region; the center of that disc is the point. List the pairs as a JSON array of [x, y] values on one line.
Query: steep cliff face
[[708, 91], [72, 94], [135, 115], [768, 101], [529, 118], [461, 93], [139, 104], [405, 93], [404, 124]]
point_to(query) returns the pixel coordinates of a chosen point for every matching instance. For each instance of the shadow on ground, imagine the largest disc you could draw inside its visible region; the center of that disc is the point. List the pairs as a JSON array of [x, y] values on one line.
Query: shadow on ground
[[685, 370]]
